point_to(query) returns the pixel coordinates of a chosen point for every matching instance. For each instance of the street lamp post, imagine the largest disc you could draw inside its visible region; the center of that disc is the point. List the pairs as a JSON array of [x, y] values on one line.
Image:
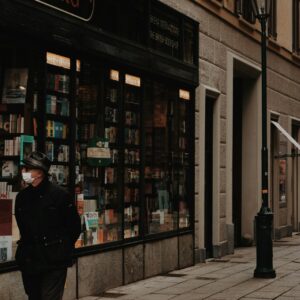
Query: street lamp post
[[264, 218]]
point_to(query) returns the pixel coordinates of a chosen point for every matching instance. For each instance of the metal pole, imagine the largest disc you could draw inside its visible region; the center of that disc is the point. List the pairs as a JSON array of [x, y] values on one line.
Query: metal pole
[[264, 218]]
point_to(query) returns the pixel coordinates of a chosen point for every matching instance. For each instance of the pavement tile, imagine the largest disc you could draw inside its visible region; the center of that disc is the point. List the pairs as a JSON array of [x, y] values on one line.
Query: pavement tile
[[157, 297], [264, 295]]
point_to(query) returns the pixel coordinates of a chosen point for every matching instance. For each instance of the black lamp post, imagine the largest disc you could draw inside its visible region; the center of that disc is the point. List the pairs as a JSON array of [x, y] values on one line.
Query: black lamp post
[[264, 218]]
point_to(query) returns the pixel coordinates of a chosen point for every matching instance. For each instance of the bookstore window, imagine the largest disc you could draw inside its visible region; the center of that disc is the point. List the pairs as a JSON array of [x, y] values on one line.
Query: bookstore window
[[244, 8], [16, 139], [166, 160], [97, 154], [296, 26]]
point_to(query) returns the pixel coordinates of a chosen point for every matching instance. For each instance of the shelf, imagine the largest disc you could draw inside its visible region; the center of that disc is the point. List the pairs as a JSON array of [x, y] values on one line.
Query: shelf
[[6, 108], [57, 117], [57, 70], [57, 93], [10, 157], [9, 179], [58, 140], [9, 136]]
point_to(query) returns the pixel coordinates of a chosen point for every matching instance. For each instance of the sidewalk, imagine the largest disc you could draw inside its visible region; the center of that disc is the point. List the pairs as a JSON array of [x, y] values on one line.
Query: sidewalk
[[228, 278]]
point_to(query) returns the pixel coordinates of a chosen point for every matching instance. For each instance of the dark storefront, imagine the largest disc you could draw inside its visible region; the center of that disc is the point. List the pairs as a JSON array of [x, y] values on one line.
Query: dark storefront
[[106, 89]]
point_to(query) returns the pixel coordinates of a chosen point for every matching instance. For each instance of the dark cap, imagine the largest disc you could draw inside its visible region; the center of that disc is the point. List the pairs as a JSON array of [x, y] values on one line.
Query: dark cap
[[38, 160]]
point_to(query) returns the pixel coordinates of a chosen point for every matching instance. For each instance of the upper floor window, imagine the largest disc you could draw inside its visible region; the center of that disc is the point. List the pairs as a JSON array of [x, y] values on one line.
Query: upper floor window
[[244, 9], [296, 26], [272, 20]]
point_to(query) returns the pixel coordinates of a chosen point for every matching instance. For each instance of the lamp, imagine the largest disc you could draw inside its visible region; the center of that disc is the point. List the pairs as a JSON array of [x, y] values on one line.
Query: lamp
[[264, 218], [261, 8]]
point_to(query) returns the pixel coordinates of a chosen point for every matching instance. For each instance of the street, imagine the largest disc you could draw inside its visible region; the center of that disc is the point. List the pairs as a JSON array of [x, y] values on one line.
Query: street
[[230, 277]]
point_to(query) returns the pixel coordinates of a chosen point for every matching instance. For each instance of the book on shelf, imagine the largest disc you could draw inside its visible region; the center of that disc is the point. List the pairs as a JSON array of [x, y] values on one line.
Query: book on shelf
[[5, 248], [80, 203], [86, 131], [110, 175], [62, 153], [111, 114], [111, 134], [114, 154], [49, 149], [15, 85], [56, 129], [131, 175], [131, 118], [57, 105], [132, 97], [160, 115], [10, 147], [59, 174], [58, 82], [131, 156], [6, 191], [9, 169], [27, 146], [87, 102], [91, 219], [12, 123], [132, 136], [112, 94], [131, 195]]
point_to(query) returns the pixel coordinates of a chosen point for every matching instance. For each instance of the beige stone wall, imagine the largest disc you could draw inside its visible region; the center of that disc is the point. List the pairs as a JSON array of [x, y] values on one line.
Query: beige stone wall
[[217, 38], [284, 23]]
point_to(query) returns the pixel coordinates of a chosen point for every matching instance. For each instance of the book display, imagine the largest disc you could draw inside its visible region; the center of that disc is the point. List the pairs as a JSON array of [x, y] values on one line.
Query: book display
[[159, 196], [132, 150], [16, 141], [125, 154], [97, 183], [181, 164], [57, 121]]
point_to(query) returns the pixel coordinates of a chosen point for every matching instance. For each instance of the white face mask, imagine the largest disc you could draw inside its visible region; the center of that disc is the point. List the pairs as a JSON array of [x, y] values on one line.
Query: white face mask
[[27, 177]]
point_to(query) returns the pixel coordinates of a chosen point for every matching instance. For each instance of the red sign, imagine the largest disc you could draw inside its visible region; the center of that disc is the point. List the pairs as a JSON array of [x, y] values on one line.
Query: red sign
[[82, 9]]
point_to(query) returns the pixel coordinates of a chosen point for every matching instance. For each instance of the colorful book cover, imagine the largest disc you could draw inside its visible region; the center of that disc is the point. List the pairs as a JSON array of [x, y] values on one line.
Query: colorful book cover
[[26, 146]]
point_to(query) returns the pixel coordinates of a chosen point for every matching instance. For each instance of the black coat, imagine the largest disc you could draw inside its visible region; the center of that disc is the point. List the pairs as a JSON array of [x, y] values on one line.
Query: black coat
[[49, 226]]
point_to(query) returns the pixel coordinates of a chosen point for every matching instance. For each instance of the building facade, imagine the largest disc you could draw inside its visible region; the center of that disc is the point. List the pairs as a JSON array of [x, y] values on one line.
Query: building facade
[[150, 111]]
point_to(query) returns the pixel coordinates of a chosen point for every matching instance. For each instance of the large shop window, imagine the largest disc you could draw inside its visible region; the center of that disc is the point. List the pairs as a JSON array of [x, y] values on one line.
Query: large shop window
[[18, 82], [119, 141], [166, 164]]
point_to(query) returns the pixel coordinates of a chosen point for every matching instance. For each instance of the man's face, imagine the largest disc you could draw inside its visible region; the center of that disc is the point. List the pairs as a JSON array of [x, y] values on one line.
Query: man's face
[[35, 173]]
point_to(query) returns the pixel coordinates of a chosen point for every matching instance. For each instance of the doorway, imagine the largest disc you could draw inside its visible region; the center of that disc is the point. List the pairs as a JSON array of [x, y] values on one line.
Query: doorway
[[237, 159], [209, 133]]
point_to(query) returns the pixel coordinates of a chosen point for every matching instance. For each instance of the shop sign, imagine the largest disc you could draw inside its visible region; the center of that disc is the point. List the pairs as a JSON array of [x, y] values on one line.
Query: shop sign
[[98, 152], [82, 9], [164, 32]]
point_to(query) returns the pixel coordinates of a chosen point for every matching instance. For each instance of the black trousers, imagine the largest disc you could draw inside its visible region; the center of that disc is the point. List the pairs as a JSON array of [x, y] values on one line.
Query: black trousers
[[46, 286]]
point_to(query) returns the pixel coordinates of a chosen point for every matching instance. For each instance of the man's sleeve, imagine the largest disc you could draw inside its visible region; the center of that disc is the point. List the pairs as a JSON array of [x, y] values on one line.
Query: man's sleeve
[[72, 218]]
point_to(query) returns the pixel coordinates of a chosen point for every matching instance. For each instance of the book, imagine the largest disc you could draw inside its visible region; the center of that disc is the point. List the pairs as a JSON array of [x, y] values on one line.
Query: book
[[9, 169], [5, 248], [15, 85], [27, 146]]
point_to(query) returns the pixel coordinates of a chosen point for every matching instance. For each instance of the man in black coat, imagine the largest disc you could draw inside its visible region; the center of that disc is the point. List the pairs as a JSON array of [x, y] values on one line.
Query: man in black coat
[[49, 226]]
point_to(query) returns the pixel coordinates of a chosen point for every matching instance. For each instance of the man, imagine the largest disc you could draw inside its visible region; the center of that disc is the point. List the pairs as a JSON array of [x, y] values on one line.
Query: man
[[49, 227]]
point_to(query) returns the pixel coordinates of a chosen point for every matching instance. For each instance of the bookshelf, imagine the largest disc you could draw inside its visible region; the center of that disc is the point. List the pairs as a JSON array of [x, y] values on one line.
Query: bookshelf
[[12, 127], [132, 154], [57, 117]]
